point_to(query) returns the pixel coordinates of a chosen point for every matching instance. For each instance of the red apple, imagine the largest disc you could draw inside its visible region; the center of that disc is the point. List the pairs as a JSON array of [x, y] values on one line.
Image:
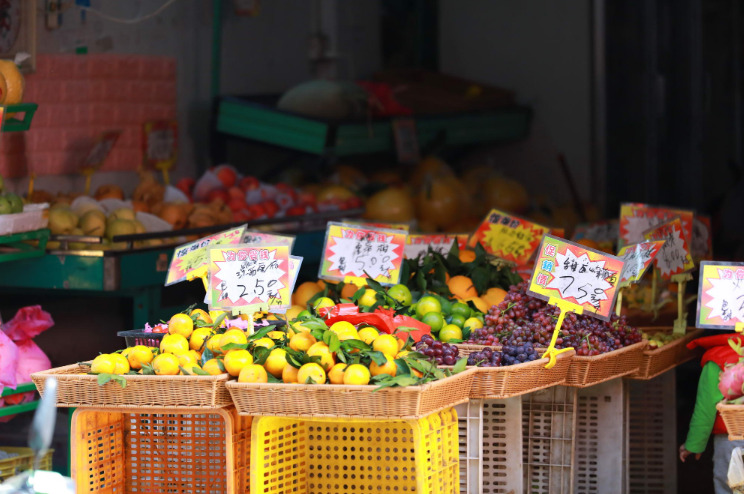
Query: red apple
[[218, 194], [257, 210], [237, 204], [296, 211], [186, 185], [249, 183], [236, 193], [271, 208], [240, 216], [354, 202], [227, 176]]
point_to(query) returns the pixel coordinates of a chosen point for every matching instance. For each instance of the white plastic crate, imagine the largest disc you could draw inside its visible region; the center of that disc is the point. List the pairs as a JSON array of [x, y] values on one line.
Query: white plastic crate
[[548, 426], [33, 217], [601, 439], [652, 424], [490, 434]]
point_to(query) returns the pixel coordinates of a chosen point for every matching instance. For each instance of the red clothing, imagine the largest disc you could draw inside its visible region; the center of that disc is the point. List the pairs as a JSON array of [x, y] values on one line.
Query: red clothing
[[720, 353]]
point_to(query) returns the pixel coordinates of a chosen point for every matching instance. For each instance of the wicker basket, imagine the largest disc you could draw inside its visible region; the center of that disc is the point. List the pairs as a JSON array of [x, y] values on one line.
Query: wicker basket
[[77, 389], [519, 379], [733, 417], [335, 400], [588, 371], [660, 360]]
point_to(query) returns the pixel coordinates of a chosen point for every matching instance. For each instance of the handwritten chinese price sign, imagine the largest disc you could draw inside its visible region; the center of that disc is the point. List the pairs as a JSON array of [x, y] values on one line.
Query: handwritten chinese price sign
[[674, 257], [352, 252], [160, 143], [375, 224], [573, 277], [251, 238], [192, 258], [419, 245], [508, 237], [249, 278], [721, 295], [637, 258], [636, 218]]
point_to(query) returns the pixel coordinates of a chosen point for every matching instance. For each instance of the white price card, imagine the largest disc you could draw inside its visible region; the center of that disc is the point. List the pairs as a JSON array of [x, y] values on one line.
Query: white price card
[[637, 257], [674, 257]]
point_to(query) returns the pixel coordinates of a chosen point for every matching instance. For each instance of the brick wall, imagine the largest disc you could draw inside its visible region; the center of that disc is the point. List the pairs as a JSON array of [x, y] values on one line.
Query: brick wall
[[82, 96]]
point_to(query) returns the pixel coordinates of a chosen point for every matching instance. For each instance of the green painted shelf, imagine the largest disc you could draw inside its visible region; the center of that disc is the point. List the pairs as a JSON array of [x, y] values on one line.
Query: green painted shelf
[[25, 110], [256, 118]]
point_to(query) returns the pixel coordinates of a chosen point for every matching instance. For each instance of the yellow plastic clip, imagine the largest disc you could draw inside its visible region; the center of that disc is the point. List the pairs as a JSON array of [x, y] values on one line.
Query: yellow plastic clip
[[619, 301], [199, 273], [680, 324], [164, 166], [357, 280], [31, 179], [88, 174], [564, 306], [739, 328]]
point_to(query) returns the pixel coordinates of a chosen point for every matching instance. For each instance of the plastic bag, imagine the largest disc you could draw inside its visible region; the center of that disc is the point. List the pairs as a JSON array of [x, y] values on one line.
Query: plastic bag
[[28, 322], [736, 471], [8, 362], [30, 359], [382, 319]]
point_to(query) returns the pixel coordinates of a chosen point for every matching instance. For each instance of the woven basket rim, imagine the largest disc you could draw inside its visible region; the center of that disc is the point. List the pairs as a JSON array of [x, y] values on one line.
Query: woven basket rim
[[614, 353], [524, 365], [729, 407], [58, 373], [689, 335], [340, 388]]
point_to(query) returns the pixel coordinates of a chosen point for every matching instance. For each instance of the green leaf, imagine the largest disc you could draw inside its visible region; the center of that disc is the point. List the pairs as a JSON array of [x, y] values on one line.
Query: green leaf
[[272, 379], [333, 342], [120, 380], [374, 285], [261, 333], [460, 365], [147, 370], [218, 321], [234, 346], [405, 272], [377, 357], [348, 345], [221, 365], [480, 279], [421, 281], [400, 381], [103, 378], [199, 372], [425, 366], [315, 324], [260, 354], [402, 367], [206, 356], [480, 254], [466, 333]]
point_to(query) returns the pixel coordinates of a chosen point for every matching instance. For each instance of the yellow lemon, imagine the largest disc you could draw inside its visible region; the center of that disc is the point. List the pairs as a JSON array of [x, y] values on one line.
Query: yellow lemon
[[321, 350], [138, 356], [300, 328], [276, 335], [322, 303], [121, 364], [174, 343], [276, 362], [233, 335], [202, 315], [368, 298], [356, 374], [103, 364], [186, 360], [166, 364], [368, 334], [181, 324], [336, 374], [264, 342], [14, 83], [345, 331], [198, 337], [311, 373], [388, 367], [236, 360], [289, 374], [212, 366], [213, 344], [302, 342], [293, 312], [387, 344], [253, 373]]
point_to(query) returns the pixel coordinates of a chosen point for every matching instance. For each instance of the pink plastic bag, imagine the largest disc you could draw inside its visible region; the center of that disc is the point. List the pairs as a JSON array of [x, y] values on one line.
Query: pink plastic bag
[[8, 362], [28, 322]]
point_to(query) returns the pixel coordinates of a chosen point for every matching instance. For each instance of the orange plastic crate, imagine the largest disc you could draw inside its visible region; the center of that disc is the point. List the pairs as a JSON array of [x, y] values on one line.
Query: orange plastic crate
[[169, 450]]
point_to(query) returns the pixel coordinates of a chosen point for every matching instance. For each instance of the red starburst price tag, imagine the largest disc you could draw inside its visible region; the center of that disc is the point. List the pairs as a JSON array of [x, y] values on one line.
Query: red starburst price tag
[[191, 260], [674, 257], [250, 278], [509, 237], [636, 218], [721, 295], [637, 258]]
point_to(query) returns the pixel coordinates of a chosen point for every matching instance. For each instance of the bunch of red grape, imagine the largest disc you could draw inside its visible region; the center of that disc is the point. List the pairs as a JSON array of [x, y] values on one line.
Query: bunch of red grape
[[441, 353], [509, 355], [520, 319]]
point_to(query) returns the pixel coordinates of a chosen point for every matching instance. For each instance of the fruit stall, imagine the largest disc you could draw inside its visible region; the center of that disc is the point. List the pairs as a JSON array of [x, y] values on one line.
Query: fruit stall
[[364, 275]]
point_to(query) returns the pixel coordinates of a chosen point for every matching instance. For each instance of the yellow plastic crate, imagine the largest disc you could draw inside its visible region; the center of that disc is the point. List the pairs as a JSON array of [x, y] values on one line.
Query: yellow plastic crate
[[169, 450], [329, 456], [24, 461]]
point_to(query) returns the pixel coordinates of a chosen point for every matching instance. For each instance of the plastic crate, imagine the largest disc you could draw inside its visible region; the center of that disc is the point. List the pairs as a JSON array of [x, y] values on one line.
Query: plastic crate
[[601, 439], [652, 424], [295, 455], [169, 450], [24, 461], [489, 431], [548, 428]]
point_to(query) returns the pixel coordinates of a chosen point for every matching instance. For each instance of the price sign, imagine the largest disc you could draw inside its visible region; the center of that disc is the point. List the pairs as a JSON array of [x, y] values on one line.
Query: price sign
[[249, 277], [251, 238], [193, 257], [418, 245], [636, 219], [356, 252], [100, 151], [374, 224], [509, 237], [583, 278], [702, 238], [720, 295], [603, 232], [160, 143], [637, 258], [406, 140], [674, 257]]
